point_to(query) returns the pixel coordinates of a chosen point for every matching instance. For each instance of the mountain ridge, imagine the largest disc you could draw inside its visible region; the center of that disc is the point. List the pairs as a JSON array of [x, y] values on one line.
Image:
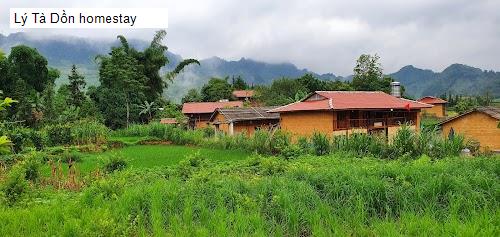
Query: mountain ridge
[[456, 78]]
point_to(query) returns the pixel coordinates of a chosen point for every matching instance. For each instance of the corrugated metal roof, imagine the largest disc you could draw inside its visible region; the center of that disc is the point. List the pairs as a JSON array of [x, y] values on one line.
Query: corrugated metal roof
[[432, 100], [243, 93], [208, 107], [494, 112], [245, 114], [351, 100]]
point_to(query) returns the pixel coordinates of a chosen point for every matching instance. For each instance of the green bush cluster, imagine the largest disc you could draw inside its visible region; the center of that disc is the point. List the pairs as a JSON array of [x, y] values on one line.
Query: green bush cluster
[[405, 144]]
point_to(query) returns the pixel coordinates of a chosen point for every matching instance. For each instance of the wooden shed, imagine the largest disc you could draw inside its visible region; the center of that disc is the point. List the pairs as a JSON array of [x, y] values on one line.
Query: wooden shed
[[438, 108], [347, 112], [199, 113], [248, 120], [480, 124]]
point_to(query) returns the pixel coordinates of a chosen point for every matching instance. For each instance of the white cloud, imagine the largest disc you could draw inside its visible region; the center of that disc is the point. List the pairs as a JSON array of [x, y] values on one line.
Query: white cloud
[[322, 35]]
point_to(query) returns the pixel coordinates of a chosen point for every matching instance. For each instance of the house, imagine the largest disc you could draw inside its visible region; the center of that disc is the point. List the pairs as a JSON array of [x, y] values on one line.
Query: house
[[199, 113], [480, 124], [243, 95], [438, 108], [347, 112], [248, 120]]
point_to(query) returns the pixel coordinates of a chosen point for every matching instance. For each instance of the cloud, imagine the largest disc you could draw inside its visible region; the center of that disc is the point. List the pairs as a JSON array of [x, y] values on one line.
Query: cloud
[[322, 35]]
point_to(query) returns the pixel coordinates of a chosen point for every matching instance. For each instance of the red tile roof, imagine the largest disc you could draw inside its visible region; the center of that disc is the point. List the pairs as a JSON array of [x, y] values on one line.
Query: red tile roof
[[243, 93], [208, 107], [432, 100], [350, 100]]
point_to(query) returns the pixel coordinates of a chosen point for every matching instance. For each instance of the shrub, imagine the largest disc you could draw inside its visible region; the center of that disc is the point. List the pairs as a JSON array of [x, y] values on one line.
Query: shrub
[[89, 132], [71, 155], [279, 141], [37, 139], [59, 134], [114, 163], [15, 185], [208, 132], [191, 164], [320, 144], [19, 136], [403, 143], [304, 145], [259, 142]]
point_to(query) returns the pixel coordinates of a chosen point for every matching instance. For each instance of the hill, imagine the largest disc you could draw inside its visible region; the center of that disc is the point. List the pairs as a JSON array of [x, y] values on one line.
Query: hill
[[63, 51]]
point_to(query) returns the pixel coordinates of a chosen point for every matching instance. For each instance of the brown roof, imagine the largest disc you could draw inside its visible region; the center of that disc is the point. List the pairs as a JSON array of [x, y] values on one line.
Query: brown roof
[[208, 107], [347, 100], [168, 121], [243, 93], [432, 100], [494, 112], [245, 114]]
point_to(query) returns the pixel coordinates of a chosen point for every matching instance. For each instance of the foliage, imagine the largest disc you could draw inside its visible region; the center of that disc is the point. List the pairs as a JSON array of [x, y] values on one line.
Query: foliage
[[282, 91], [89, 132], [115, 163], [238, 83], [15, 185], [59, 134], [193, 95], [368, 75], [24, 75], [320, 144], [216, 89], [76, 87]]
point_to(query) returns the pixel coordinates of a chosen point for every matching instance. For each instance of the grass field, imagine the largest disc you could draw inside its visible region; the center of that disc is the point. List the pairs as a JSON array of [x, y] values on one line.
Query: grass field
[[188, 191], [148, 156]]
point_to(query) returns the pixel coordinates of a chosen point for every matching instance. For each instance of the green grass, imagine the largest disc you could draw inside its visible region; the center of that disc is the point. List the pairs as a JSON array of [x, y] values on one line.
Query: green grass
[[334, 195], [149, 156]]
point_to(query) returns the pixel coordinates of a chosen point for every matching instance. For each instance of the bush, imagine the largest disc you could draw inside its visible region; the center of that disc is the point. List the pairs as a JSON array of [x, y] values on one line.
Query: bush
[[37, 139], [59, 134], [208, 132], [279, 141], [71, 155], [115, 163], [19, 136], [320, 144], [15, 185], [31, 167], [89, 132]]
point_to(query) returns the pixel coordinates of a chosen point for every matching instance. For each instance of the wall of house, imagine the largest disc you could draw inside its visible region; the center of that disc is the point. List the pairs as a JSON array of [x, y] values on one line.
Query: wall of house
[[438, 110], [305, 123], [477, 126]]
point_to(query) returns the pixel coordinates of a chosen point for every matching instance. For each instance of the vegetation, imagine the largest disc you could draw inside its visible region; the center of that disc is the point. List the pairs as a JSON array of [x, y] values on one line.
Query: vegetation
[[97, 162]]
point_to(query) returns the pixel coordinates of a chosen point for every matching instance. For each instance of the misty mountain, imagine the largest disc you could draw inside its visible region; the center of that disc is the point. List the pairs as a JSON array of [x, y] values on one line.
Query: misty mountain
[[456, 79], [63, 51]]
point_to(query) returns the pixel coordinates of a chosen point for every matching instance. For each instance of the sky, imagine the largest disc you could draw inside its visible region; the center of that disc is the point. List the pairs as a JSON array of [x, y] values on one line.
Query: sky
[[320, 35]]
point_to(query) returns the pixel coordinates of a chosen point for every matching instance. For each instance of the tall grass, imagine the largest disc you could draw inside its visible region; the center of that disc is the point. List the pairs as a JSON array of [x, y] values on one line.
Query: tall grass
[[309, 196], [89, 132]]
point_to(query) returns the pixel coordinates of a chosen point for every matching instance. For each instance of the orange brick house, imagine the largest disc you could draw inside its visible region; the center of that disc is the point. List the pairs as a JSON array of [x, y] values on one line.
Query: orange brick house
[[199, 113], [238, 120], [438, 108], [347, 112], [480, 124]]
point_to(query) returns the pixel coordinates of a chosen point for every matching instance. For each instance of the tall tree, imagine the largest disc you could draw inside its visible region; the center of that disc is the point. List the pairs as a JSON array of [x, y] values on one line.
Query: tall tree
[[368, 75], [76, 87], [216, 89], [193, 95], [24, 74], [239, 83]]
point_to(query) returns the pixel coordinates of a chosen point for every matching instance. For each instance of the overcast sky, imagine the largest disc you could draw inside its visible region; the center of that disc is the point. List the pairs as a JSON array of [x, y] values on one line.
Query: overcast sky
[[322, 35]]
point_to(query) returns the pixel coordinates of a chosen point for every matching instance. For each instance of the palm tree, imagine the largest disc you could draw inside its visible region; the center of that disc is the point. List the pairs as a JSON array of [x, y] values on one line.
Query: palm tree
[[147, 108]]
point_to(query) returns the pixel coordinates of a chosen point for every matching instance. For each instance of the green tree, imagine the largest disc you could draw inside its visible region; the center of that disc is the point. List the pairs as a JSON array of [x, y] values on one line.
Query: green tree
[[311, 83], [239, 83], [128, 77], [368, 75], [216, 89], [282, 91], [4, 140], [24, 74], [76, 87], [2, 55], [193, 95]]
